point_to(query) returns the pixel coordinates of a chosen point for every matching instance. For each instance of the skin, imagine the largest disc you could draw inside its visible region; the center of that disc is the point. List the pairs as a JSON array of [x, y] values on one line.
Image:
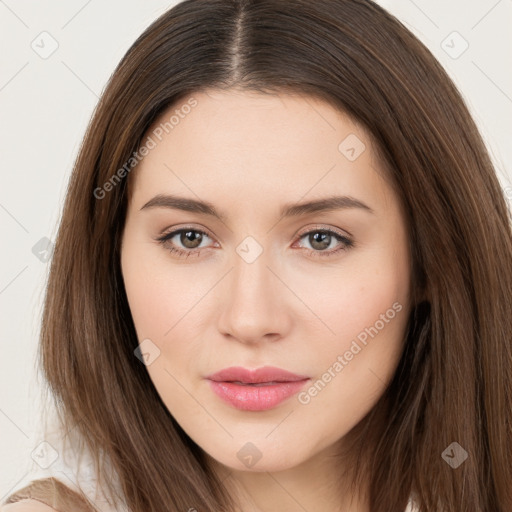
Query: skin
[[248, 154]]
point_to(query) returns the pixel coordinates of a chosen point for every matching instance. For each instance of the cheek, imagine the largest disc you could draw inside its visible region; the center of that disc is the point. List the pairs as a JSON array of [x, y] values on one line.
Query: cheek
[[373, 306], [158, 295], [359, 296], [365, 307], [159, 300]]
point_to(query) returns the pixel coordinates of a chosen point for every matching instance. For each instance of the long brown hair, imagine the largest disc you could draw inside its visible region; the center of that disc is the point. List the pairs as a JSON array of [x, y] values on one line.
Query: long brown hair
[[454, 380]]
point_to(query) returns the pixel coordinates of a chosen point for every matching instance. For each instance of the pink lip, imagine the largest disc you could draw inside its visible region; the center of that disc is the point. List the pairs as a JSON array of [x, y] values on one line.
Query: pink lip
[[255, 390]]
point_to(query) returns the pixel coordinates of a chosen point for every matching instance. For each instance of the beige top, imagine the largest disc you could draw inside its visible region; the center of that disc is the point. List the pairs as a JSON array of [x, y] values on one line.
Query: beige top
[[64, 479], [54, 493]]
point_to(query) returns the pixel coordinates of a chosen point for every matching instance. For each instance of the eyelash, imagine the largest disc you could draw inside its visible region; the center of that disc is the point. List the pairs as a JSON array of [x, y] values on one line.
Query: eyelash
[[347, 243]]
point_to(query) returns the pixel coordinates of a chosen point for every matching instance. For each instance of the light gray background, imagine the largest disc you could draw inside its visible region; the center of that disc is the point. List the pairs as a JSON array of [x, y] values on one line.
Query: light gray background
[[45, 104]]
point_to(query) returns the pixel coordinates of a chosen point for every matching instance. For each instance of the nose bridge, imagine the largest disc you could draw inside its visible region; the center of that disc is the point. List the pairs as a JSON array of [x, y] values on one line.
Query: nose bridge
[[252, 305], [251, 278]]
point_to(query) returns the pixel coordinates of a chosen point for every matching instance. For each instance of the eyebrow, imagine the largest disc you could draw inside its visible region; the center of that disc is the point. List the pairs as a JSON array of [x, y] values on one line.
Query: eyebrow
[[288, 210]]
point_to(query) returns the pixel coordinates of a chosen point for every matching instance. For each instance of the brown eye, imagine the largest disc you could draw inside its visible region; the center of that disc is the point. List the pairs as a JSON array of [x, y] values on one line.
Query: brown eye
[[320, 240], [184, 242], [191, 239]]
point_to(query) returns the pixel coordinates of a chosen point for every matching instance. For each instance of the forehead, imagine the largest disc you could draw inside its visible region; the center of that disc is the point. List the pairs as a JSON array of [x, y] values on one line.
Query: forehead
[[241, 144]]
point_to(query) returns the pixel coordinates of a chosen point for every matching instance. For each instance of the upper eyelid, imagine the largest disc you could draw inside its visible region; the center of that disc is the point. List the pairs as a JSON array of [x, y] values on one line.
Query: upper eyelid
[[319, 227], [174, 231]]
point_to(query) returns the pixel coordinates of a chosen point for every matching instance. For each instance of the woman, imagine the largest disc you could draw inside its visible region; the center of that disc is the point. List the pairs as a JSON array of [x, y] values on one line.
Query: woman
[[283, 276]]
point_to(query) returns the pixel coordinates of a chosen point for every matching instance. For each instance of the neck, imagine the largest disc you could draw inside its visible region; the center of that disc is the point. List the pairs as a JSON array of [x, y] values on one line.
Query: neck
[[315, 485]]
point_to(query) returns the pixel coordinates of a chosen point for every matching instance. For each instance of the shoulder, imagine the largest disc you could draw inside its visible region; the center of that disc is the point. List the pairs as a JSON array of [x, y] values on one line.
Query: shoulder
[[46, 495], [26, 505]]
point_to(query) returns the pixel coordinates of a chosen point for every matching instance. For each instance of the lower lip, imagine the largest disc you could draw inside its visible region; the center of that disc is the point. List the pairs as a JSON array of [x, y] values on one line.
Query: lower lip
[[256, 398]]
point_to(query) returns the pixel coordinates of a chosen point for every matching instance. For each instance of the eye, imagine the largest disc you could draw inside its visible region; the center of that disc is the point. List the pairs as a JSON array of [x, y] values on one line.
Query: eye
[[189, 238], [321, 239], [187, 241]]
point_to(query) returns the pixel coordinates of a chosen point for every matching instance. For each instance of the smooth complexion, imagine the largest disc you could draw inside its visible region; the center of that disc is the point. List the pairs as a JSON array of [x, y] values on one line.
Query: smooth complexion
[[250, 155]]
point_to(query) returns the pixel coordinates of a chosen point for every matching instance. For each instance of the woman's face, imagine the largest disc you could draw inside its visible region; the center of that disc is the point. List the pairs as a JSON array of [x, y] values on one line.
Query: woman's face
[[319, 292]]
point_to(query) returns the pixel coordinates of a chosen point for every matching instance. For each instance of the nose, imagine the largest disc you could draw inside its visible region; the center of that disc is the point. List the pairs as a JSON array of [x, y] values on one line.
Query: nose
[[253, 302]]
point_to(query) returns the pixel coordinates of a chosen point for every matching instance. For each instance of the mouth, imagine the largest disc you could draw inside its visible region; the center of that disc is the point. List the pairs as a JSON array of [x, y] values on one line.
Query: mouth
[[255, 390], [260, 396]]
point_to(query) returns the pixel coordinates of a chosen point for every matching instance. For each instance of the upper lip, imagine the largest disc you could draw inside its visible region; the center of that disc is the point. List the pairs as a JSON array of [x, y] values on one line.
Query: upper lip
[[259, 375]]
